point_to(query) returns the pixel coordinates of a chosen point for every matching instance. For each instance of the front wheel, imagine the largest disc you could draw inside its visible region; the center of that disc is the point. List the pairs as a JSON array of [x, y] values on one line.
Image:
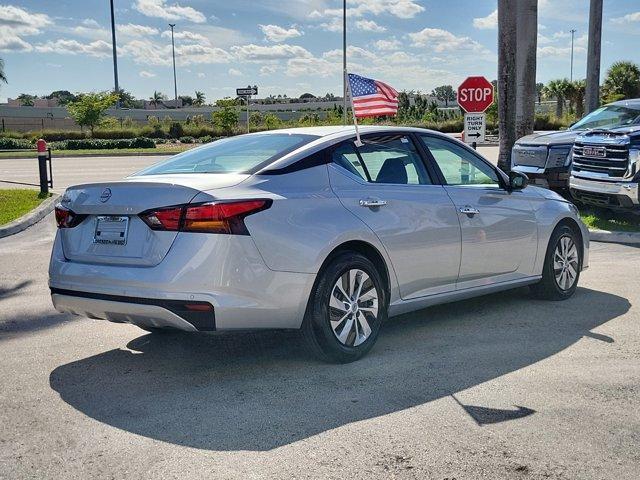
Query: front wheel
[[347, 307], [562, 266]]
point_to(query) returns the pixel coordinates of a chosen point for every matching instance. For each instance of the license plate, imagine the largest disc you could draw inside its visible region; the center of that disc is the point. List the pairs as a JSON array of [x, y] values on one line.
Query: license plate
[[595, 152], [111, 230]]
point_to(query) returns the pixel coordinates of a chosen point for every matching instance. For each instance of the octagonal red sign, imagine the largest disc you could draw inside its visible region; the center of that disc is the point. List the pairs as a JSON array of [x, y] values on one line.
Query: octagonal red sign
[[475, 94]]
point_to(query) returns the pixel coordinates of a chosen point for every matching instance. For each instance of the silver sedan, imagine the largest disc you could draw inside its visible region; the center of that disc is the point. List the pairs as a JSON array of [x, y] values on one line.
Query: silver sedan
[[304, 229]]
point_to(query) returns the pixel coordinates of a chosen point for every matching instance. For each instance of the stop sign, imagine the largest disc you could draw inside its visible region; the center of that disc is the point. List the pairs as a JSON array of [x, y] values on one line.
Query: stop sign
[[475, 94]]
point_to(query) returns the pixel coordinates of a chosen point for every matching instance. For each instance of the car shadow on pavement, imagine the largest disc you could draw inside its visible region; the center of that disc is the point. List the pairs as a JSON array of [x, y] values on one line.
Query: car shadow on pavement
[[262, 391]]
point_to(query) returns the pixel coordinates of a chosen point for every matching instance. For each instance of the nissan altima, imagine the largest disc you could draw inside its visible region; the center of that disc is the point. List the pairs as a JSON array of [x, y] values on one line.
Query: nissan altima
[[308, 229]]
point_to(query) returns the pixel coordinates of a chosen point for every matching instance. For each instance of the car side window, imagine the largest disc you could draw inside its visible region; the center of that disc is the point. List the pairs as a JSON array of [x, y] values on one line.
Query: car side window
[[385, 159], [458, 166]]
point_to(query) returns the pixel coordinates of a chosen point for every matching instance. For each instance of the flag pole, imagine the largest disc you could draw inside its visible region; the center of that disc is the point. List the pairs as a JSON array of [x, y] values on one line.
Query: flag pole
[[344, 62], [358, 142]]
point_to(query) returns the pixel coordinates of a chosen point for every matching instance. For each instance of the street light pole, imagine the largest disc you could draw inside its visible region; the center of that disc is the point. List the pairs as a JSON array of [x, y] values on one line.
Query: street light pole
[[173, 52], [115, 55], [573, 32], [344, 62]]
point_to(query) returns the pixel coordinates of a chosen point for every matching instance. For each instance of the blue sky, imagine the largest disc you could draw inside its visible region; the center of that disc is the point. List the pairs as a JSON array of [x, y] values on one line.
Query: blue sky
[[284, 46]]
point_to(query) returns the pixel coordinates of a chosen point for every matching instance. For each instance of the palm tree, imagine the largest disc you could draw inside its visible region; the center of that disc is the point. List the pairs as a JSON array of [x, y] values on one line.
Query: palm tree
[[622, 81], [3, 77], [507, 40], [157, 98], [539, 92], [200, 99], [558, 89], [575, 94], [527, 44], [592, 95]]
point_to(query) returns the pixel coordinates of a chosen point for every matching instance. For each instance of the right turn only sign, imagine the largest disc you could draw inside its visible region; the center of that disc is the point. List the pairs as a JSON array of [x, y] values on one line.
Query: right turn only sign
[[474, 127]]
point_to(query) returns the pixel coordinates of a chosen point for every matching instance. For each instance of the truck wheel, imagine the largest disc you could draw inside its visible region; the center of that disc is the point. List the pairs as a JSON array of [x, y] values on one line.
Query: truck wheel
[[562, 266], [347, 306]]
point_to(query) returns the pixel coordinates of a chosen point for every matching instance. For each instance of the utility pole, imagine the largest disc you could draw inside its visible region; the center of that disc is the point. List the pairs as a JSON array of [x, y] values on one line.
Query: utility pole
[[592, 93], [115, 55], [173, 52], [526, 51], [507, 83], [344, 62], [573, 32]]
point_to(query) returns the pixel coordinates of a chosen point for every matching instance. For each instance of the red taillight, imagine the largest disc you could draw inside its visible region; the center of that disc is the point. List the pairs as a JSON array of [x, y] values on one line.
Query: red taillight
[[224, 217], [66, 218]]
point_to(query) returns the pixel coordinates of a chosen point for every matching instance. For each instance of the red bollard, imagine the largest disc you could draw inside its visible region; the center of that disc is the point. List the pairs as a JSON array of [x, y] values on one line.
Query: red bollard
[[41, 145]]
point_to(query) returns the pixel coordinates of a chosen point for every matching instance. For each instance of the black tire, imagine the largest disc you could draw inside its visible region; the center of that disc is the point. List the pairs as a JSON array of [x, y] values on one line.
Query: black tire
[[549, 287], [317, 326]]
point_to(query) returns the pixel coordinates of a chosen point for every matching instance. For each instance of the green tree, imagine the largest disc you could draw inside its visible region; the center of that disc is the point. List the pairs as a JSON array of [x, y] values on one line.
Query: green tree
[[226, 117], [307, 96], [157, 98], [3, 76], [558, 89], [127, 100], [271, 121], [63, 96], [539, 92], [26, 99], [622, 81], [200, 99], [575, 94], [89, 109], [187, 100], [444, 93]]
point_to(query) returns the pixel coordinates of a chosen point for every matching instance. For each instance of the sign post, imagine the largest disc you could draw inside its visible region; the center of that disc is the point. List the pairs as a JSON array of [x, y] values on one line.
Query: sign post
[[475, 95], [247, 93]]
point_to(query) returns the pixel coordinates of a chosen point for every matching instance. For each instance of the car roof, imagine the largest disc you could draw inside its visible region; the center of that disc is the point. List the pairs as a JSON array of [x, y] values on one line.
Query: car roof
[[331, 135], [630, 102]]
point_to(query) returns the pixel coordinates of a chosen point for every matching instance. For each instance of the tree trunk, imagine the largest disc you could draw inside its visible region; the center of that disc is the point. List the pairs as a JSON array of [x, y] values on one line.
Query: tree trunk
[[559, 106], [592, 94], [527, 43], [506, 81]]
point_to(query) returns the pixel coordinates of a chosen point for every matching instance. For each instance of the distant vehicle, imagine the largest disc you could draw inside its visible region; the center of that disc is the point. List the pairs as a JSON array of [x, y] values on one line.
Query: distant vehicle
[[606, 168], [302, 229], [546, 157]]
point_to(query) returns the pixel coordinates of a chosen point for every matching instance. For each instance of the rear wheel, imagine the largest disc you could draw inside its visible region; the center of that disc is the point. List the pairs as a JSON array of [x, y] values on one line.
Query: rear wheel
[[562, 266], [347, 307]]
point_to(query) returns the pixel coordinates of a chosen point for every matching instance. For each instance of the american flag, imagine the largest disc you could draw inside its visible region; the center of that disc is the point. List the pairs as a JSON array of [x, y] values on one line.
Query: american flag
[[372, 98]]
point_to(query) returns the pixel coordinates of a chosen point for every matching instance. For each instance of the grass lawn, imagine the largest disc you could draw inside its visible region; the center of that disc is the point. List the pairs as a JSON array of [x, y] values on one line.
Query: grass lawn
[[619, 222], [15, 203], [160, 150]]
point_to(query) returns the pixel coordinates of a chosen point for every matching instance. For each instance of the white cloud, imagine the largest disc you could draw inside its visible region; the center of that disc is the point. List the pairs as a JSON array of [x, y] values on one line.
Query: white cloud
[[268, 70], [98, 48], [333, 25], [16, 23], [90, 22], [174, 11], [147, 52], [146, 74], [388, 45], [133, 30], [353, 54], [234, 72], [188, 36], [201, 75], [275, 33], [551, 51], [397, 8], [253, 52], [487, 23], [317, 67], [629, 18], [369, 26], [442, 41]]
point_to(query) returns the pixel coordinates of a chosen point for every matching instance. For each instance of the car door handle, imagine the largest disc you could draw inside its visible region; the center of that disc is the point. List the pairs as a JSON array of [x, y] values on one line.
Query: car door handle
[[371, 202], [469, 210]]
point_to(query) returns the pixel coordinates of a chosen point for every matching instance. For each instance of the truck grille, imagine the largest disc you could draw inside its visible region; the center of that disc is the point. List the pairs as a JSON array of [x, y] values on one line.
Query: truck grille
[[610, 160]]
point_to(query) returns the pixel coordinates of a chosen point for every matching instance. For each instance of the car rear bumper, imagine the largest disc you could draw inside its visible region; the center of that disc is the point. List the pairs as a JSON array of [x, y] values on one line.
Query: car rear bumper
[[227, 273]]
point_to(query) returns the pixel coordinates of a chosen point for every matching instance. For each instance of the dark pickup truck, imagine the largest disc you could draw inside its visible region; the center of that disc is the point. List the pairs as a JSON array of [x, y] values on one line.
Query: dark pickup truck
[[546, 157]]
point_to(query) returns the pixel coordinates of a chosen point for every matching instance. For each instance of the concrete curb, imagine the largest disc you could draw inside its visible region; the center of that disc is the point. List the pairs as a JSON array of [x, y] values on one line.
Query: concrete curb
[[629, 238], [31, 218]]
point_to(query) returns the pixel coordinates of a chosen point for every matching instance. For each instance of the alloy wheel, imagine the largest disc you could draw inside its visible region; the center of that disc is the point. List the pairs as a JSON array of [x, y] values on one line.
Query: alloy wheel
[[353, 307], [565, 262]]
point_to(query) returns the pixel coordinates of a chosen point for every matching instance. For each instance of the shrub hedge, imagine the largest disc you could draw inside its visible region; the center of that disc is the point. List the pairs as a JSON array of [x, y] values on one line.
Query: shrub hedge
[[14, 144], [104, 144]]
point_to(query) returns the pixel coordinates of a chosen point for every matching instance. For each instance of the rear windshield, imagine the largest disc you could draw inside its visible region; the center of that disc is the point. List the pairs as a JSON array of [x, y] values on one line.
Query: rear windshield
[[243, 154], [608, 117]]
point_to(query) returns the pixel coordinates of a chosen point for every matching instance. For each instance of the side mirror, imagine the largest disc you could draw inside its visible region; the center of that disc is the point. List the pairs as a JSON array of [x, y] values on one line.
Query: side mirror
[[517, 180]]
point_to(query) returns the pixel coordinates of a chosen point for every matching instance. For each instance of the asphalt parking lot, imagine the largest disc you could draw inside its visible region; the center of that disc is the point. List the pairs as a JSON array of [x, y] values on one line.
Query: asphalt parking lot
[[498, 387]]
